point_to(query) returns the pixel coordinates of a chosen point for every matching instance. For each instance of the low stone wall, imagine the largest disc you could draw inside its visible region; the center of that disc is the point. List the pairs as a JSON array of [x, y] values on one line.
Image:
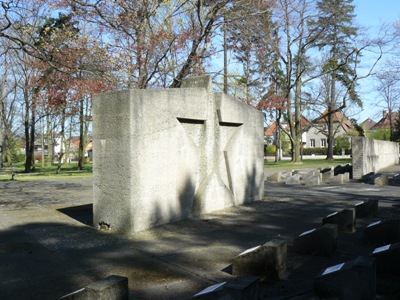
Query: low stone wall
[[372, 155]]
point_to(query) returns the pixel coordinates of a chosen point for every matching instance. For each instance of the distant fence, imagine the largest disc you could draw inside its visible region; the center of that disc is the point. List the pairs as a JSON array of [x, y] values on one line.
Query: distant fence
[[371, 155]]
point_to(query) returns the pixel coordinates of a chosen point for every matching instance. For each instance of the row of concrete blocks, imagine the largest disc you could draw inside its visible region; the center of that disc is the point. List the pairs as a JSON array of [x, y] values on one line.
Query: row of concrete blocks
[[315, 177], [356, 279], [269, 260], [382, 179]]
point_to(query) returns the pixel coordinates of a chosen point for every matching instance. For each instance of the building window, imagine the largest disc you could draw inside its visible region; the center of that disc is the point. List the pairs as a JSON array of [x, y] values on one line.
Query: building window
[[323, 143], [312, 143]]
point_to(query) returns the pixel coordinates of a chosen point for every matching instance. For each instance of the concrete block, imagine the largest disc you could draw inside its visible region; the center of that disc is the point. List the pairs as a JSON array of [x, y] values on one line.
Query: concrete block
[[276, 177], [318, 241], [326, 176], [395, 180], [337, 179], [294, 179], [214, 292], [285, 175], [268, 260], [382, 232], [77, 295], [368, 208], [313, 180], [371, 155], [368, 178], [112, 287], [169, 154], [243, 287], [381, 180], [326, 170], [348, 281], [344, 219], [387, 259]]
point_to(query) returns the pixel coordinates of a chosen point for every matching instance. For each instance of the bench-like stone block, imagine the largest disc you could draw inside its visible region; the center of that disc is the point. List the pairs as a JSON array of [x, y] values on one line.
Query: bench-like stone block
[[276, 177], [381, 180], [388, 259], [112, 287], [214, 292], [367, 208], [77, 295], [318, 241], [313, 180], [294, 179], [382, 232], [268, 260], [243, 287], [348, 281], [344, 219]]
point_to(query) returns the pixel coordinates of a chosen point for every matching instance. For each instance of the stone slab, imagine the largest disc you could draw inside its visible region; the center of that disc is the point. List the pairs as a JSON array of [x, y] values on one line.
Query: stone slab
[[344, 219], [113, 287], [367, 208], [243, 287], [388, 259], [348, 281], [317, 241], [382, 232], [268, 260]]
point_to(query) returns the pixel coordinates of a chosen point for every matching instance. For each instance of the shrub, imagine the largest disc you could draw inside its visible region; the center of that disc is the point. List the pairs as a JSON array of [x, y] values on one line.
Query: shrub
[[270, 150], [315, 151]]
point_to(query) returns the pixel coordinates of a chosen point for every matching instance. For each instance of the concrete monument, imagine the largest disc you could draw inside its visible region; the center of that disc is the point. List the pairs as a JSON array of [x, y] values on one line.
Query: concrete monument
[[169, 154]]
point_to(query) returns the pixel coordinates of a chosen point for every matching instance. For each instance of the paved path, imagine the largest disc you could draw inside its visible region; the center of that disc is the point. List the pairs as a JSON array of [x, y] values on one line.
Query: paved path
[[48, 247]]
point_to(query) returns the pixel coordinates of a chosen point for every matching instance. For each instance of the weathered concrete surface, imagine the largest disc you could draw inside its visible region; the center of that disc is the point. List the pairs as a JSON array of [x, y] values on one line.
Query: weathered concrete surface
[[372, 155], [165, 155], [49, 248]]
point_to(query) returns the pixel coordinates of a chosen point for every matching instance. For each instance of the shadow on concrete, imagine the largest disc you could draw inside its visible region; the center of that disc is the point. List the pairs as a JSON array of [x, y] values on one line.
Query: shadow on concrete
[[46, 260], [81, 213]]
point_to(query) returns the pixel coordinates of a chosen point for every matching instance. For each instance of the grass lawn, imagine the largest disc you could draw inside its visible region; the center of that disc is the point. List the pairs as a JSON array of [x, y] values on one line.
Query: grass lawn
[[307, 163], [39, 172]]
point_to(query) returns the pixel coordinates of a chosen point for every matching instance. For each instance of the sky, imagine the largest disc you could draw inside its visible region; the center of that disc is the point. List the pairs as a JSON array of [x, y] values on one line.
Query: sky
[[371, 14]]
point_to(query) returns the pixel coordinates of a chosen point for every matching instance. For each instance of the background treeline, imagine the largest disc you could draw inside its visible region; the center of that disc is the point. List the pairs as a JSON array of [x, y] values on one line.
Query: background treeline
[[286, 57]]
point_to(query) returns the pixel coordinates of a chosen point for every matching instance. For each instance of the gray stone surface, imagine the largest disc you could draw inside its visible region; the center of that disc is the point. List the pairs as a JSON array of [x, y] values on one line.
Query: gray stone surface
[[348, 281], [372, 155], [172, 261], [344, 219], [367, 208], [165, 155], [317, 241], [382, 232], [388, 260], [267, 260]]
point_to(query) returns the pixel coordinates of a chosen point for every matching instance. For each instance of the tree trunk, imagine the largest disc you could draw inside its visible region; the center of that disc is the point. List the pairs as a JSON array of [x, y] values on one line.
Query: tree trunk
[[331, 107], [61, 141], [29, 128], [81, 153]]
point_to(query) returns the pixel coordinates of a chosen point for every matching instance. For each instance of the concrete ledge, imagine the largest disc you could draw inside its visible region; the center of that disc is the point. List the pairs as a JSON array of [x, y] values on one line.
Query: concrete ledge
[[367, 208], [347, 281], [268, 260], [344, 219], [388, 259], [318, 241], [243, 287], [382, 232], [111, 288]]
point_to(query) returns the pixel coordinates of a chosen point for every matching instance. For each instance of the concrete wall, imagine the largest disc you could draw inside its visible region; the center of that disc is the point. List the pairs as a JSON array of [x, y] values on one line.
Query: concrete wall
[[165, 155], [372, 155]]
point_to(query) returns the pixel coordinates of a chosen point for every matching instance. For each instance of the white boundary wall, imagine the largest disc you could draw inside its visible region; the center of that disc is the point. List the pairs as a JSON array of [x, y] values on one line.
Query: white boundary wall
[[371, 155]]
